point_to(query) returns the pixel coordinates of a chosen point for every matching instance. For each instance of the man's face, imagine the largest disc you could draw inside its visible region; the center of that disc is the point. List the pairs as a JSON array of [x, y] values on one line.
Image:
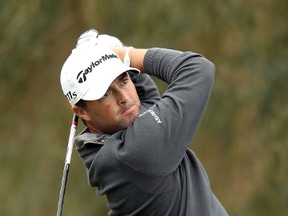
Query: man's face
[[116, 110]]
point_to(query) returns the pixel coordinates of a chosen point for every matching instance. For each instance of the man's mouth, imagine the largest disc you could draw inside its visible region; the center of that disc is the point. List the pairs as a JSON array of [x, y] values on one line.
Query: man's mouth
[[128, 109]]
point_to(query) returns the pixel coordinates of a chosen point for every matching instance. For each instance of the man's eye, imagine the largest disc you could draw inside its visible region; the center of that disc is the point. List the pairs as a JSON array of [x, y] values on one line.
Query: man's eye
[[106, 93], [124, 81]]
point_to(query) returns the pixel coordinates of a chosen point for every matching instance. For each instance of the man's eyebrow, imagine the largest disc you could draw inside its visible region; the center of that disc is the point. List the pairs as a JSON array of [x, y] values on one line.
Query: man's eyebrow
[[123, 75]]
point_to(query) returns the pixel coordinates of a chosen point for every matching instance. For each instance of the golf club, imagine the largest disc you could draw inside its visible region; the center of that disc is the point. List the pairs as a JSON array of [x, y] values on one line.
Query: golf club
[[67, 164]]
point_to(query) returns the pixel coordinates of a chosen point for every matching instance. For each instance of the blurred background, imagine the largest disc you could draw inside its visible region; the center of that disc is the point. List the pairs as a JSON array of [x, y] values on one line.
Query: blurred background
[[242, 140]]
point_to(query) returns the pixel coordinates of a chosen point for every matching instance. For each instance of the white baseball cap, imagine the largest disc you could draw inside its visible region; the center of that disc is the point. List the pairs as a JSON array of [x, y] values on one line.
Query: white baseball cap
[[89, 71]]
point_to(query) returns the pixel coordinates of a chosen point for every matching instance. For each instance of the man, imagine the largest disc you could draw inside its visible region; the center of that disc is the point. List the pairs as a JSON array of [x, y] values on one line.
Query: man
[[135, 146]]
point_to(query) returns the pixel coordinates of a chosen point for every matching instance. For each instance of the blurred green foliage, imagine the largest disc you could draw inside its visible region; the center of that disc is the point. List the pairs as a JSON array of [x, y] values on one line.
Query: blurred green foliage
[[242, 140]]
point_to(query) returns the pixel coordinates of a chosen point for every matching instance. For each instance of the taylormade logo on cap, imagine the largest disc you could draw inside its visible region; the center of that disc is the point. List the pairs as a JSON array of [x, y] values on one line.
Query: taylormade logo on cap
[[82, 75]]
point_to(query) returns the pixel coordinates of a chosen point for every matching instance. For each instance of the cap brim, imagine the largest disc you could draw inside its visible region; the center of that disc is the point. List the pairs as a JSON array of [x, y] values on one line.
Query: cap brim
[[102, 82]]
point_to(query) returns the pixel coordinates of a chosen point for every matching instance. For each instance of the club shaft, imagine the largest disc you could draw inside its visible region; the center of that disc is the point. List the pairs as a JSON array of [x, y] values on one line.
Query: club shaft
[[63, 189], [67, 164]]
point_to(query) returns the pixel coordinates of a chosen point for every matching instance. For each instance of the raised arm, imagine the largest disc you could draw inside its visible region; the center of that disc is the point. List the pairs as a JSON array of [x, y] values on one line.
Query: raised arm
[[164, 132]]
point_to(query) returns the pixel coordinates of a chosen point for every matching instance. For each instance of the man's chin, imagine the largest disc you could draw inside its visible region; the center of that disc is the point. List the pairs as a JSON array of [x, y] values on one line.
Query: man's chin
[[129, 121]]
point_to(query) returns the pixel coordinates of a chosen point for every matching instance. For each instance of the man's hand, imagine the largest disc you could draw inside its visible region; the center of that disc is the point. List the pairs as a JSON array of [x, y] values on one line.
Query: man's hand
[[92, 37], [134, 57]]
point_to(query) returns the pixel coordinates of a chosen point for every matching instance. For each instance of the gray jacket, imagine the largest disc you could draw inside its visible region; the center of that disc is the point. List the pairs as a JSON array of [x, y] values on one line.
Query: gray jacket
[[148, 168]]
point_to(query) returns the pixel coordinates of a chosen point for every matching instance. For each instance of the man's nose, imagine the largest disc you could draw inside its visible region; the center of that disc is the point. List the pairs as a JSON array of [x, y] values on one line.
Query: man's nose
[[122, 96]]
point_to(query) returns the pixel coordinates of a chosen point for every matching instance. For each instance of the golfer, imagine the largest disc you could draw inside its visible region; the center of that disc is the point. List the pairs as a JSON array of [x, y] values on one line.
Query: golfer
[[135, 146]]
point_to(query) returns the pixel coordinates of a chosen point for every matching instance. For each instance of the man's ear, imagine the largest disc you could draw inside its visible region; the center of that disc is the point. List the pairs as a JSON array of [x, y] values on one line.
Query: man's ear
[[80, 112]]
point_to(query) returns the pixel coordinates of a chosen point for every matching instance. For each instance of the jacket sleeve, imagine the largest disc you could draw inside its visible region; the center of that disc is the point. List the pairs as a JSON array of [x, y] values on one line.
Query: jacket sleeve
[[157, 141], [146, 88]]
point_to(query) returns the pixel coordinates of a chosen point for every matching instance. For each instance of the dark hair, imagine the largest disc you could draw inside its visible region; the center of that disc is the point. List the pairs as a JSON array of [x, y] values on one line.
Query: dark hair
[[81, 103]]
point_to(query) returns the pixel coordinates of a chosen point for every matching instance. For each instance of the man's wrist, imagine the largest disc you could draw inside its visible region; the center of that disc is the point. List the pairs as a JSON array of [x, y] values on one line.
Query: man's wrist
[[127, 57]]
